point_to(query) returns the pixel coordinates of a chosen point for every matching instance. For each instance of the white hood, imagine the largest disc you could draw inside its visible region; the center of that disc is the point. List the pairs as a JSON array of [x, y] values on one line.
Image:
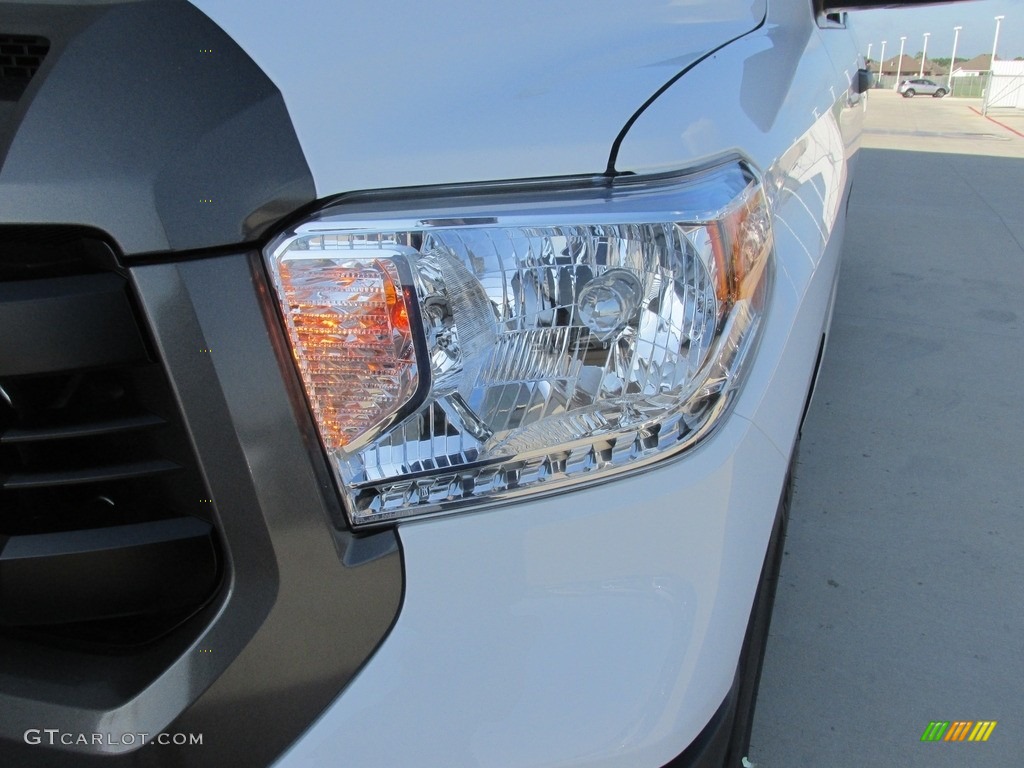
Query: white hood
[[397, 93]]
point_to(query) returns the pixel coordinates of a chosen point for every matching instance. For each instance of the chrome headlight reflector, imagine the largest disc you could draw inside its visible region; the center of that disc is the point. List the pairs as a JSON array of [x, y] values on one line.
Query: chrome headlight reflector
[[482, 346]]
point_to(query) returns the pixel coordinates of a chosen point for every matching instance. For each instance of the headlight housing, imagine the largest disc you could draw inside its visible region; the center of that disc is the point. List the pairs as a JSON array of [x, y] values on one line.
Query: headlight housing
[[481, 345]]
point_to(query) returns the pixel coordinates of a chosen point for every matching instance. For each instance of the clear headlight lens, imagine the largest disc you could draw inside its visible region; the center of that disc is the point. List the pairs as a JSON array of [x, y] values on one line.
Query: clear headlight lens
[[480, 347]]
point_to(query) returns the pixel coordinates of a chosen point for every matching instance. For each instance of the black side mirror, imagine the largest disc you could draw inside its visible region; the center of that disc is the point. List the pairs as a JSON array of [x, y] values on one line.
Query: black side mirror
[[864, 80]]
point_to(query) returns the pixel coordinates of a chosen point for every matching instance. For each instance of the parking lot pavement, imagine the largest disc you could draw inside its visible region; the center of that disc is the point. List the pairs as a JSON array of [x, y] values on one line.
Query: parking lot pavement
[[955, 126], [902, 584]]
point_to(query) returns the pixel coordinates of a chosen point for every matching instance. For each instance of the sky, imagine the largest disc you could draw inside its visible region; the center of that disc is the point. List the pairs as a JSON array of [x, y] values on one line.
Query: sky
[[977, 17]]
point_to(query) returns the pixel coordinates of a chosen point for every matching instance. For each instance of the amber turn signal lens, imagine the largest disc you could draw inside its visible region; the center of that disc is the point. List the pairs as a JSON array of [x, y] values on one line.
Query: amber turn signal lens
[[348, 320]]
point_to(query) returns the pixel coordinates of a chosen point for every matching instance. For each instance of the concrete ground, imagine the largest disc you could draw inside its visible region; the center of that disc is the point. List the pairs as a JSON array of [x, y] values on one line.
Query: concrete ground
[[901, 598], [956, 126]]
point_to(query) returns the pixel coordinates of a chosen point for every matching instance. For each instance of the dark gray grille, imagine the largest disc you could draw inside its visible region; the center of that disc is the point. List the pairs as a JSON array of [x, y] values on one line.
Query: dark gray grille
[[103, 533], [20, 57]]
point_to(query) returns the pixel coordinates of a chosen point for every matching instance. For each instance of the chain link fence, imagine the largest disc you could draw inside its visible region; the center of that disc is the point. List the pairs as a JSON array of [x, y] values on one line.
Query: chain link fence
[[969, 87]]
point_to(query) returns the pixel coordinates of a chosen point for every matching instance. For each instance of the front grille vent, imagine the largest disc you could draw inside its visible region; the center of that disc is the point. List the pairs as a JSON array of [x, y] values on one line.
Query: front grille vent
[[20, 58], [103, 537]]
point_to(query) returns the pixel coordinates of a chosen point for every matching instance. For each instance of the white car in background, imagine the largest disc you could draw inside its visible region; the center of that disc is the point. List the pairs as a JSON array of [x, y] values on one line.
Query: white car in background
[[398, 384], [922, 86]]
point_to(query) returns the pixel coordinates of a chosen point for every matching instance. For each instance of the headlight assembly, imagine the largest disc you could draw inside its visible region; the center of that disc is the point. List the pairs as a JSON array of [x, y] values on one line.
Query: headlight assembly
[[484, 345]]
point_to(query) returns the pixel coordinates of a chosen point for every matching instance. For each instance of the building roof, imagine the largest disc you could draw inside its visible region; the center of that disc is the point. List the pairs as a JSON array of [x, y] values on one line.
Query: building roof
[[982, 63], [910, 66]]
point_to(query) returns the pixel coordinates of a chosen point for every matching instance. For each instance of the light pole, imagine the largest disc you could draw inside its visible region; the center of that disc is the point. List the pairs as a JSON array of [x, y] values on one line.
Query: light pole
[[868, 57], [899, 64], [952, 61], [995, 43], [991, 68], [924, 53], [881, 60]]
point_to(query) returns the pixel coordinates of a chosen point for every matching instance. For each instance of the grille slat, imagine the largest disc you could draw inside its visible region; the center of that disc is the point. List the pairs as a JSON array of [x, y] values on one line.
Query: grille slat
[[105, 573], [72, 431], [106, 474], [66, 324]]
